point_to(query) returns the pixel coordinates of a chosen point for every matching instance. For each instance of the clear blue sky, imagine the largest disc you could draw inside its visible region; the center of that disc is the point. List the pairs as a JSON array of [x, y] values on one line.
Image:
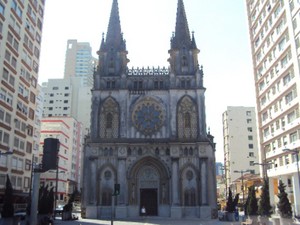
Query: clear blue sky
[[221, 34]]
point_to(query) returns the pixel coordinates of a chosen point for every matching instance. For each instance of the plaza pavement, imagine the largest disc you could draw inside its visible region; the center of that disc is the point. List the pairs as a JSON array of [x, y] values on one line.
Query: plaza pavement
[[146, 221]]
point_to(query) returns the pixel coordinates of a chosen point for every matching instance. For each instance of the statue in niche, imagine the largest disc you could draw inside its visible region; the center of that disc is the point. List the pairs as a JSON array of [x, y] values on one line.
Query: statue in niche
[[163, 193], [133, 194]]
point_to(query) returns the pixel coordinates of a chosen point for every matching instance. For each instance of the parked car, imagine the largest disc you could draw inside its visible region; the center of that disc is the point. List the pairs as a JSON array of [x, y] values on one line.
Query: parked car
[[21, 214]]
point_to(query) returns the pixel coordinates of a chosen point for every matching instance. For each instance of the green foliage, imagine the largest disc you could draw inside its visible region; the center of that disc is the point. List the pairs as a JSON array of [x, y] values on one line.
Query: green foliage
[[231, 204], [46, 200], [8, 205], [69, 205], [264, 207], [284, 204], [252, 206]]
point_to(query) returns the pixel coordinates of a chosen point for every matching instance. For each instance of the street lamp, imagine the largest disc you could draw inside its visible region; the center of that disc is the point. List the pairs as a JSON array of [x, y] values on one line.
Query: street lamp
[[242, 176], [265, 172], [296, 153]]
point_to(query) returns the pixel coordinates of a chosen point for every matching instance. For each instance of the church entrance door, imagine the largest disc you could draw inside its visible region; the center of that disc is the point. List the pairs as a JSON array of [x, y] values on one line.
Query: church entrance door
[[149, 200]]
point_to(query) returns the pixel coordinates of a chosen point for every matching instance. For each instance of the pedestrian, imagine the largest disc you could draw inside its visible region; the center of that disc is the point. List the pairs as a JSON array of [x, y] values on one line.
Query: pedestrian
[[143, 211]]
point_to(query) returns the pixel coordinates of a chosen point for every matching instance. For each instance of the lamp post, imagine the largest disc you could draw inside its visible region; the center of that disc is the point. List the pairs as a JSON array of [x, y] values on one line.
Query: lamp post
[[265, 172], [242, 176], [224, 177], [295, 152], [56, 187]]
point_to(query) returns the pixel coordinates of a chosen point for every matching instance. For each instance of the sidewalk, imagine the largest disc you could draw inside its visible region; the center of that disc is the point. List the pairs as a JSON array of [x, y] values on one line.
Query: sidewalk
[[146, 221]]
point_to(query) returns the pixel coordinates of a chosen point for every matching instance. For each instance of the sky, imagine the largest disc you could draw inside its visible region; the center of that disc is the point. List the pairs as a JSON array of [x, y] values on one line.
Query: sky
[[221, 33]]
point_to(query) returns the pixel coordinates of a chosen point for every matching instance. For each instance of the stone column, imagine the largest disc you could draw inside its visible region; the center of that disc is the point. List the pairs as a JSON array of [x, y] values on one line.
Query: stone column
[[203, 181], [93, 182], [175, 182], [121, 209], [122, 181], [296, 188]]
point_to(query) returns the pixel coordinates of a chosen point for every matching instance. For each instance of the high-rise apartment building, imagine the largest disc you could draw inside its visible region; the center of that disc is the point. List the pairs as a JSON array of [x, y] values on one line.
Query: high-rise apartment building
[[69, 132], [274, 36], [79, 61], [68, 97], [21, 23], [240, 142]]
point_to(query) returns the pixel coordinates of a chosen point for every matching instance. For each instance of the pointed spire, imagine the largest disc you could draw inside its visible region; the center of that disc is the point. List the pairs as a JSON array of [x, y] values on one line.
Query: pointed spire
[[182, 34], [114, 36]]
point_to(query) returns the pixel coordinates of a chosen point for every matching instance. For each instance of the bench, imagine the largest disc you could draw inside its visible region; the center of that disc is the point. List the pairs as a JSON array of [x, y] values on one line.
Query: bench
[[247, 222]]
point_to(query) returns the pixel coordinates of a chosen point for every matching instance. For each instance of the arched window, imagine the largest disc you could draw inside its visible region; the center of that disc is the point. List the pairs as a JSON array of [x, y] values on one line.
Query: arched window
[[184, 61], [187, 120], [106, 197], [190, 197], [109, 120]]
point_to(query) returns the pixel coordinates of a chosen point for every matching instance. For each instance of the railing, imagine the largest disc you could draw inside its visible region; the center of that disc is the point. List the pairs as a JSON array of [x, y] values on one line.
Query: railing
[[148, 71]]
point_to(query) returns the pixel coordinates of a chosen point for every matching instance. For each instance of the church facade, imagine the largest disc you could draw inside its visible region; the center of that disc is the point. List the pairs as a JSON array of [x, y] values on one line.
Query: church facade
[[148, 133]]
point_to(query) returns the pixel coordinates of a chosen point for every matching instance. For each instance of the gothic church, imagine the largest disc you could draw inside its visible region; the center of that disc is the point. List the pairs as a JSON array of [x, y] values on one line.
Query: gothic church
[[149, 133]]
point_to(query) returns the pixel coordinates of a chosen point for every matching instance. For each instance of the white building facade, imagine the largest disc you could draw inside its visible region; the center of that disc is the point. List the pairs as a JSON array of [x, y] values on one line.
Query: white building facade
[[274, 35], [68, 97], [240, 142]]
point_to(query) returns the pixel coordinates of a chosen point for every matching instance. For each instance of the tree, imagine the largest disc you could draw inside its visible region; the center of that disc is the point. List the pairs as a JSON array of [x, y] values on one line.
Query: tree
[[264, 207], [252, 206], [8, 205], [231, 204], [284, 204], [46, 200], [69, 205]]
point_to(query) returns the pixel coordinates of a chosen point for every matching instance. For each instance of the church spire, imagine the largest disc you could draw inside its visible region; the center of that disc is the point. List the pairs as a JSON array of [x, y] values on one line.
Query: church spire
[[182, 34], [114, 37], [112, 53], [183, 53]]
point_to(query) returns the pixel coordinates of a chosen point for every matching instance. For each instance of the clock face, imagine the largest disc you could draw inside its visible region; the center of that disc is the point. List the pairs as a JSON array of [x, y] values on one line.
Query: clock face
[[148, 116]]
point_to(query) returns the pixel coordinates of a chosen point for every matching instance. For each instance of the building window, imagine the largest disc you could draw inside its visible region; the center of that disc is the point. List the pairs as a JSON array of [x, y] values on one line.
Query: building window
[[187, 120], [248, 113], [249, 129], [293, 137], [249, 121], [250, 137], [109, 120], [250, 146], [2, 8]]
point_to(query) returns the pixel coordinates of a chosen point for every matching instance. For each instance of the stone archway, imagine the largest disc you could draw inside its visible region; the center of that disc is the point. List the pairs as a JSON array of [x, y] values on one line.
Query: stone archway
[[149, 177]]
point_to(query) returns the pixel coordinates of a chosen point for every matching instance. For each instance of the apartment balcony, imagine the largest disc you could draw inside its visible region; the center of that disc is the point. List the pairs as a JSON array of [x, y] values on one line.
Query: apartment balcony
[[283, 170]]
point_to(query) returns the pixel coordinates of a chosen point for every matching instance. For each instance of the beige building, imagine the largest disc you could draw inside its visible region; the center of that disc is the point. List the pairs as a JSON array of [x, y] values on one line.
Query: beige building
[[274, 37], [240, 142], [69, 133], [21, 25]]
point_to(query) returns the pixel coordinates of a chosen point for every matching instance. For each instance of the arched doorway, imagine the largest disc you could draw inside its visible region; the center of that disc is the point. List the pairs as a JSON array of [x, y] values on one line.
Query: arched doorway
[[148, 180], [149, 185]]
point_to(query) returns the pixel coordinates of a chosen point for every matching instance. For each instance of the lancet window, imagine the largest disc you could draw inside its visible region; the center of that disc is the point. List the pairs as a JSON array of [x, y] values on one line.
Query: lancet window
[[187, 118], [109, 119]]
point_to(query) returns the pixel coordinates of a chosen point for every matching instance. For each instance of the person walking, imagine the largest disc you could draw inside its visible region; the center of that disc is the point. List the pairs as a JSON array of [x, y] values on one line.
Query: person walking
[[143, 211]]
